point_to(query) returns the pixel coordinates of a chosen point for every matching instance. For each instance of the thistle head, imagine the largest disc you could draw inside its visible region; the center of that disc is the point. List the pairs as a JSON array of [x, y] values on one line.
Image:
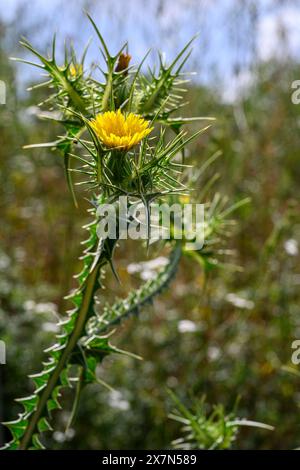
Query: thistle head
[[117, 130]]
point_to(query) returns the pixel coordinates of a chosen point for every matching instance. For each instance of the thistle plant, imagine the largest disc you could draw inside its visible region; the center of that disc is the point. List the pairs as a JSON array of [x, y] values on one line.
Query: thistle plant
[[115, 138], [216, 430]]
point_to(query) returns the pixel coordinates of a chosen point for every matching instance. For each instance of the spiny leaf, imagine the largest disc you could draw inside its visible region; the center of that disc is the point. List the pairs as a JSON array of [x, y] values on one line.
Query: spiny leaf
[[17, 427], [29, 402], [43, 425]]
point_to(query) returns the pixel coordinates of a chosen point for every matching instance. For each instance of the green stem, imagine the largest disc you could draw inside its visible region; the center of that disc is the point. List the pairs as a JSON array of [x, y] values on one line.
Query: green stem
[[107, 92], [74, 337]]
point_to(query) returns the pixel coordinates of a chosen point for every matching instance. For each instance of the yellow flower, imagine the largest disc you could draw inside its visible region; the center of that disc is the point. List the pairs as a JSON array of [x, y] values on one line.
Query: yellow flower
[[75, 70], [117, 130], [185, 199]]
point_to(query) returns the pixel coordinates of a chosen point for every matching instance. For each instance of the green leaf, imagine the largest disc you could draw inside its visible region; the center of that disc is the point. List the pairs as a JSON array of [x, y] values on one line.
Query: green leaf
[[37, 445], [43, 425], [17, 427], [29, 402]]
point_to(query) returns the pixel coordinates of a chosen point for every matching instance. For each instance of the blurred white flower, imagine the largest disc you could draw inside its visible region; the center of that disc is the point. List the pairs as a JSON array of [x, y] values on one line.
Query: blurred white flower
[[45, 307], [213, 353], [29, 305], [187, 326], [147, 269], [117, 401], [50, 327], [70, 433], [239, 302], [4, 261], [41, 307], [291, 247], [147, 274], [59, 436]]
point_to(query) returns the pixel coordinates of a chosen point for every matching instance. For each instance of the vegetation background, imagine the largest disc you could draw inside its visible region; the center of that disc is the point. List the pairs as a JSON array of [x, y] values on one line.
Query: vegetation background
[[225, 333]]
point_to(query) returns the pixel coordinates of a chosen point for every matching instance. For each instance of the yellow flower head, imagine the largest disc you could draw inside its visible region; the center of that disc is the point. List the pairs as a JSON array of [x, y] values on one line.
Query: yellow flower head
[[75, 70], [185, 199], [117, 130]]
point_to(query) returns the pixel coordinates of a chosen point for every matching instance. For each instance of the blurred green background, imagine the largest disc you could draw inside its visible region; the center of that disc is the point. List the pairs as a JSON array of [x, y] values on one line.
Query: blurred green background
[[223, 334]]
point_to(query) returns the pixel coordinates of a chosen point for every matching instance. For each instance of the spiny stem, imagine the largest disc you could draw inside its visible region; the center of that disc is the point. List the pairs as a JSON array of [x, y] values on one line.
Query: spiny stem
[[74, 337]]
